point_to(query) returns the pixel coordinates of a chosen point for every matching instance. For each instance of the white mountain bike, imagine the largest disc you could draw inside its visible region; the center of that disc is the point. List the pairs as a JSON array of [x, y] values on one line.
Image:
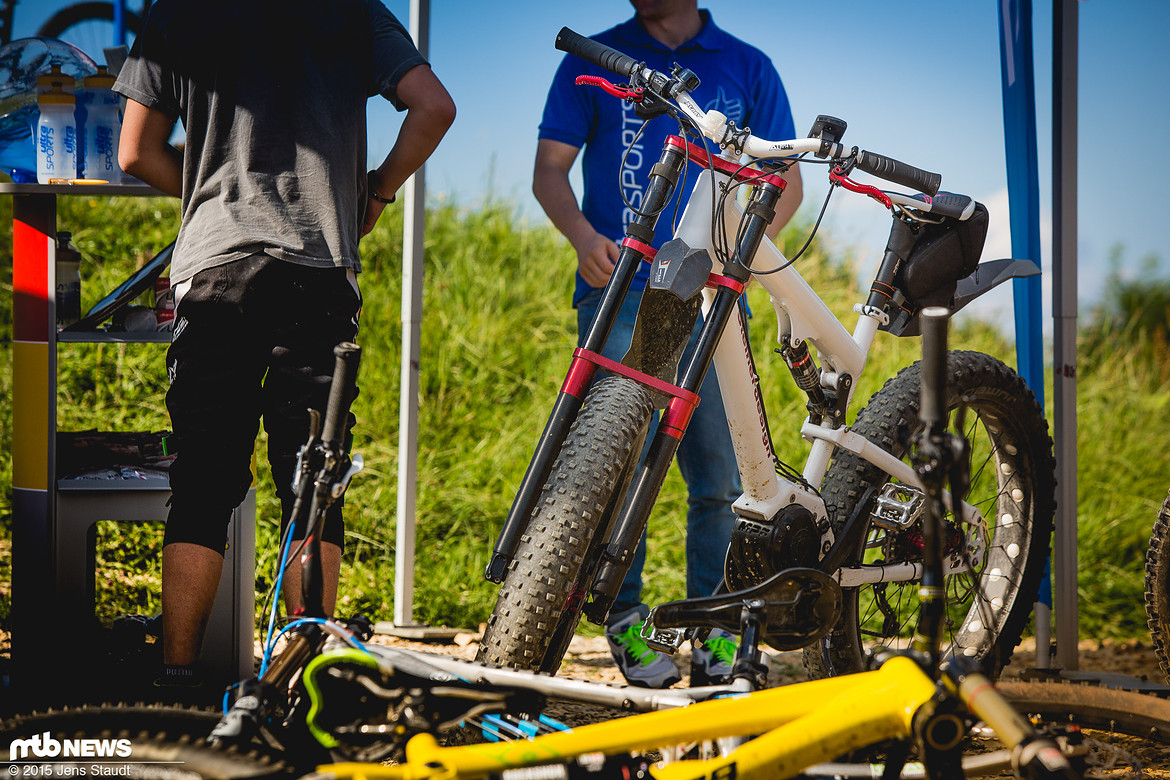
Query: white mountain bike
[[855, 509]]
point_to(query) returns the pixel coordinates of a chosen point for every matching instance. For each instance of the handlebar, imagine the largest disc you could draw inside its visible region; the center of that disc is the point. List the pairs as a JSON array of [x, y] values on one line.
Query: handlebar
[[715, 126], [899, 172], [346, 354], [932, 406], [598, 53]]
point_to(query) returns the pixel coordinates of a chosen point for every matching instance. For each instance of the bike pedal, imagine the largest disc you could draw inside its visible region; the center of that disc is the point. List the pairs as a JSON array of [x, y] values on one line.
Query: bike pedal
[[664, 640], [898, 507]]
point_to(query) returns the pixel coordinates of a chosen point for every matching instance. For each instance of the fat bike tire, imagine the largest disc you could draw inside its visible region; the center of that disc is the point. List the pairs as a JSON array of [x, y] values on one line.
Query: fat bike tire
[[1118, 733], [1012, 484], [166, 742], [543, 593], [1158, 587]]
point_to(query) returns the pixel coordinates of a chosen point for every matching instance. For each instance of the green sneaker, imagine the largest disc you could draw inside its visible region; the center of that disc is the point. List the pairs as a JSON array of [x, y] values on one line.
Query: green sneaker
[[641, 665], [711, 663]]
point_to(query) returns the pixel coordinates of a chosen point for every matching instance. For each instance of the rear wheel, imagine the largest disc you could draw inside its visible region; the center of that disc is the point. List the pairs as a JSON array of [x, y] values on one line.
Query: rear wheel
[[544, 591], [90, 27], [1158, 587], [994, 567]]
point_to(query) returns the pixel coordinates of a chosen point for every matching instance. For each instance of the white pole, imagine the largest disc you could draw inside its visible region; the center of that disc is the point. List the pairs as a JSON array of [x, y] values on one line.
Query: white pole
[[413, 232], [1064, 312]]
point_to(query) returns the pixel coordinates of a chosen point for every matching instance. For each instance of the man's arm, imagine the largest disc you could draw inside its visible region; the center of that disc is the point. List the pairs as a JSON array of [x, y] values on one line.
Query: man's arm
[[143, 150], [429, 112], [789, 202], [596, 254]]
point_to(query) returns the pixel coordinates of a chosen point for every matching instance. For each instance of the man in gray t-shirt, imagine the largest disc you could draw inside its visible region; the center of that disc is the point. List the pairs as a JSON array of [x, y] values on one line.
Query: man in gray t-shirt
[[275, 197]]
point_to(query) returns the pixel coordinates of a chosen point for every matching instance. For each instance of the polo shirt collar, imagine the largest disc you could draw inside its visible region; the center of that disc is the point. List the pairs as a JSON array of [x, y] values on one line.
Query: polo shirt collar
[[709, 37]]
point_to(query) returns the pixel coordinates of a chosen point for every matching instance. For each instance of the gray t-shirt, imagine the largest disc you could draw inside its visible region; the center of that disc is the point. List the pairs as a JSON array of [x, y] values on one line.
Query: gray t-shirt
[[272, 95]]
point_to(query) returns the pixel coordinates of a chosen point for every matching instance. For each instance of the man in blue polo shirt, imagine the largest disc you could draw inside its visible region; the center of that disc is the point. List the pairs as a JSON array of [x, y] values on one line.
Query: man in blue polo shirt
[[740, 81]]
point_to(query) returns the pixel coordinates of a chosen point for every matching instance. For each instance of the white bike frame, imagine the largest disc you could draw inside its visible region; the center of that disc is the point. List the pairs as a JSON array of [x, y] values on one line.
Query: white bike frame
[[801, 316]]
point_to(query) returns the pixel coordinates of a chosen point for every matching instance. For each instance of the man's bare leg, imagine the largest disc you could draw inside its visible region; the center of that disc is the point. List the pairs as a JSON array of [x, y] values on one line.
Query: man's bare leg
[[330, 575], [190, 577]]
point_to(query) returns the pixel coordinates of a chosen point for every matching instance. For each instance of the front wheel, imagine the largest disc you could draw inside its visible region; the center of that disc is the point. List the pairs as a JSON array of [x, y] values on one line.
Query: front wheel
[[994, 566], [544, 590], [1158, 587]]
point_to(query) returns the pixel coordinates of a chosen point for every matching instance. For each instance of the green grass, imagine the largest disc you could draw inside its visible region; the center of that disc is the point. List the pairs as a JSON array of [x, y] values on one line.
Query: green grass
[[497, 336]]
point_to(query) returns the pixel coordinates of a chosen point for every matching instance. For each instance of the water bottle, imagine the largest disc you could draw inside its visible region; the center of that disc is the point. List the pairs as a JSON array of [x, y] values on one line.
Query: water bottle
[[24, 63], [99, 125], [55, 77], [68, 270], [56, 138]]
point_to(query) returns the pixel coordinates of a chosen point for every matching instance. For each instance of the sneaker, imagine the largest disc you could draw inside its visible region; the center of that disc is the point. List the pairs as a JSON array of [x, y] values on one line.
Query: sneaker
[[711, 662], [640, 664]]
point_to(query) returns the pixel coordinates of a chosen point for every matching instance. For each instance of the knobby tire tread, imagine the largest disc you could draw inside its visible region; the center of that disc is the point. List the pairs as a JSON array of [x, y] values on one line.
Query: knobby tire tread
[[562, 535], [1158, 587], [987, 387]]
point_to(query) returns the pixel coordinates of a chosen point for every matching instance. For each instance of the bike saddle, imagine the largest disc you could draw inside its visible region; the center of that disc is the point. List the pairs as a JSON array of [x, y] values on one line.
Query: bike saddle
[[794, 608]]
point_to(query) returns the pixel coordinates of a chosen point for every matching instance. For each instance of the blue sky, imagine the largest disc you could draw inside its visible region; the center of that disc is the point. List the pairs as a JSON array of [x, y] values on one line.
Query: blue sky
[[916, 81]]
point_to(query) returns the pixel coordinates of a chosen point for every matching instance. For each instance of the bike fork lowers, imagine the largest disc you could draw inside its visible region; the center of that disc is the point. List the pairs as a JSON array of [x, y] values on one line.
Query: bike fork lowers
[[636, 247]]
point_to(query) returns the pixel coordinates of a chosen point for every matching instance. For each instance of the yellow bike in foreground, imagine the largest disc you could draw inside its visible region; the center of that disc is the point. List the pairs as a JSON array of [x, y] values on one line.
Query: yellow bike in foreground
[[910, 702]]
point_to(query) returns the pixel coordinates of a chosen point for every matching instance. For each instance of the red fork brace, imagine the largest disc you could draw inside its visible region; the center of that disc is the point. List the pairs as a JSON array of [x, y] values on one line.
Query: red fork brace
[[679, 408]]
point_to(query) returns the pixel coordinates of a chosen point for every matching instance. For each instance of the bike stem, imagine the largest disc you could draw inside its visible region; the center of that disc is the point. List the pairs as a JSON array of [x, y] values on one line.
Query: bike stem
[[639, 234]]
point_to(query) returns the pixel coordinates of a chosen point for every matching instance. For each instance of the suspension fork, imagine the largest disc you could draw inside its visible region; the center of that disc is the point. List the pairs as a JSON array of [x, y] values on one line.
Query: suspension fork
[[631, 522], [636, 247]]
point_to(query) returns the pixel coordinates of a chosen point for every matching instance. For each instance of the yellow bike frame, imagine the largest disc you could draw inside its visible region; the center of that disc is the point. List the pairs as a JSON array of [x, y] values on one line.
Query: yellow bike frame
[[800, 725]]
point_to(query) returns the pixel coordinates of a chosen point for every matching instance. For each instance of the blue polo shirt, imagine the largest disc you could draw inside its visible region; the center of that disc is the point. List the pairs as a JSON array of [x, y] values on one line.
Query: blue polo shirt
[[736, 79]]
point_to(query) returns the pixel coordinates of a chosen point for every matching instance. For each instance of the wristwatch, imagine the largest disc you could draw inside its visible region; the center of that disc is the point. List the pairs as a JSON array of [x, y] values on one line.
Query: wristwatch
[[370, 178]]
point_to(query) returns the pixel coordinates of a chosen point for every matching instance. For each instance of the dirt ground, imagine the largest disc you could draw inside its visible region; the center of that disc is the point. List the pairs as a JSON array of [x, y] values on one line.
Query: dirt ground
[[588, 658]]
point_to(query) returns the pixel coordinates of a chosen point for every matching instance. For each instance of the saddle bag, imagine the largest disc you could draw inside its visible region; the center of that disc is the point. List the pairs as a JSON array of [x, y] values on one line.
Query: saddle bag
[[942, 255]]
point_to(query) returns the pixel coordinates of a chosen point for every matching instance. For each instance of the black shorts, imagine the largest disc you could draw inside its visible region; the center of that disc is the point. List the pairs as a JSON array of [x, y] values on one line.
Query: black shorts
[[253, 338]]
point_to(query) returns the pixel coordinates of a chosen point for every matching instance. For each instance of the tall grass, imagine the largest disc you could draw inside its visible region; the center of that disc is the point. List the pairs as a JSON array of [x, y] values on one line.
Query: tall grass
[[497, 336]]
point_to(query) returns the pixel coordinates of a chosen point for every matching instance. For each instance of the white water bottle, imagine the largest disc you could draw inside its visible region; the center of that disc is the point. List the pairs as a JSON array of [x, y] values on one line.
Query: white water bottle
[[103, 124], [56, 138]]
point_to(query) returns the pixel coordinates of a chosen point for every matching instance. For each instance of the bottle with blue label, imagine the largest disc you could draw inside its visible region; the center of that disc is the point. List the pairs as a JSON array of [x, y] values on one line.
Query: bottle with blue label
[[56, 138], [99, 122]]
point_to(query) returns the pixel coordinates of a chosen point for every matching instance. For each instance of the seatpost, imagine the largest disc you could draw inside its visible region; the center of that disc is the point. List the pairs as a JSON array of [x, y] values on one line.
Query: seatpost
[[934, 457]]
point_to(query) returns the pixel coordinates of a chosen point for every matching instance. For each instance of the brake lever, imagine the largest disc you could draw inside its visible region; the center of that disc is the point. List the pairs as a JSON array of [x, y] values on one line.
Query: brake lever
[[356, 464]]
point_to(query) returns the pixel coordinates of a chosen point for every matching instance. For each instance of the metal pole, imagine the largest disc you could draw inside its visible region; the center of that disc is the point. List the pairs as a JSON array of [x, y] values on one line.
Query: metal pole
[[119, 23], [1023, 178], [413, 231], [1064, 312]]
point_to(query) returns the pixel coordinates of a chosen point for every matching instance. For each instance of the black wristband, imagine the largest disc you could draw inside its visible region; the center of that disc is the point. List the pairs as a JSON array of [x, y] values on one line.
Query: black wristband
[[370, 177]]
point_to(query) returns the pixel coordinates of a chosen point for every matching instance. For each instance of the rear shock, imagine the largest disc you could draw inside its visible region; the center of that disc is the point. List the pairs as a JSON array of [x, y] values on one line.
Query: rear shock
[[807, 376]]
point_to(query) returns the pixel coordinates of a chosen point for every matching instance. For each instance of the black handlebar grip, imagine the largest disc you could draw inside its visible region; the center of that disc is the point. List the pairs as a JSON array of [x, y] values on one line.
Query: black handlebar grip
[[899, 172], [598, 53], [345, 366], [932, 409]]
